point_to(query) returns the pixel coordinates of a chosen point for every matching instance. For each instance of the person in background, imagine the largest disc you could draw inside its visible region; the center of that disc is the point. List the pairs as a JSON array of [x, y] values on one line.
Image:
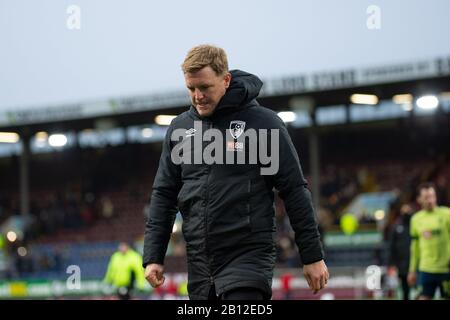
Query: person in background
[[430, 246], [125, 271], [399, 245]]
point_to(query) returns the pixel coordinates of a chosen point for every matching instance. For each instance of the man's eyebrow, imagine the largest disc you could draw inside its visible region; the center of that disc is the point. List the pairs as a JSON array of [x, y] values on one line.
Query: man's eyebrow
[[202, 85]]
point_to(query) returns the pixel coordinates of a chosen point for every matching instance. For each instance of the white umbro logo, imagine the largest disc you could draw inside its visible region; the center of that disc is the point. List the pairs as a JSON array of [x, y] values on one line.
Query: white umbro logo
[[190, 132]]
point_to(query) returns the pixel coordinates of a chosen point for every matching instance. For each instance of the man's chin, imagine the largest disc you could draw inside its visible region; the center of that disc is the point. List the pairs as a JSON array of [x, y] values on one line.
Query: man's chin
[[204, 111]]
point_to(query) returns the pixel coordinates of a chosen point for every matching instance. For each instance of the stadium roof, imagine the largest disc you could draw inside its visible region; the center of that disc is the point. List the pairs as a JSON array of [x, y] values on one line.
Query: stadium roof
[[323, 89]]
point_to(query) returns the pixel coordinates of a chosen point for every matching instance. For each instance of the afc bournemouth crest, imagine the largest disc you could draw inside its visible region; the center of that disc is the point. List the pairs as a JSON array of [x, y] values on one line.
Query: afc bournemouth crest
[[236, 128]]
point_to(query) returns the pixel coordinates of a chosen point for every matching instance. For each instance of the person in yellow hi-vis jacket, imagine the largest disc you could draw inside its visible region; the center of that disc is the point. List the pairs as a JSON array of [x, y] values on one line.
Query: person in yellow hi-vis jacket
[[125, 271], [430, 246]]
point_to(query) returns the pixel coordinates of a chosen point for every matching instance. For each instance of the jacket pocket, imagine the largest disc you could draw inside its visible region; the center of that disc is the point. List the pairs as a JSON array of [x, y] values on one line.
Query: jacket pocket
[[184, 201]]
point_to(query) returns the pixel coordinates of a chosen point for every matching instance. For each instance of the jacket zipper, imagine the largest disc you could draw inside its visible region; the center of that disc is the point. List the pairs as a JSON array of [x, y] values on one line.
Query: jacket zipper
[[211, 278], [248, 200]]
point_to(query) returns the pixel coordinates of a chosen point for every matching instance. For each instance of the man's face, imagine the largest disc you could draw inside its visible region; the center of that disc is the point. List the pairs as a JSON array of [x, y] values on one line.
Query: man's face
[[427, 199], [406, 209], [123, 248], [206, 88]]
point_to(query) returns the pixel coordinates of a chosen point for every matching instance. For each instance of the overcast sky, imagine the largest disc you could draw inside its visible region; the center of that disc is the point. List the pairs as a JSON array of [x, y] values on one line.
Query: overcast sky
[[136, 47]]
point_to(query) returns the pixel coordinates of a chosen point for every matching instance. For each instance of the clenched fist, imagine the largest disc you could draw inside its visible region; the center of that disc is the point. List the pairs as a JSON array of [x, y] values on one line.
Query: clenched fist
[[154, 273]]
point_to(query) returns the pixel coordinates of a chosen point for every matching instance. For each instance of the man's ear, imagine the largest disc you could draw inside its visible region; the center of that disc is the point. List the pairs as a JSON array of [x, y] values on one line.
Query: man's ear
[[227, 79]]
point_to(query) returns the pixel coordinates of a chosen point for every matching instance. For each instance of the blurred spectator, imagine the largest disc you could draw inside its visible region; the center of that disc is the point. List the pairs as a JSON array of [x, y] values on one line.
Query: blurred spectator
[[86, 214], [443, 190], [286, 285], [107, 208], [72, 213], [399, 244], [287, 252], [367, 180], [125, 271], [430, 245], [58, 259]]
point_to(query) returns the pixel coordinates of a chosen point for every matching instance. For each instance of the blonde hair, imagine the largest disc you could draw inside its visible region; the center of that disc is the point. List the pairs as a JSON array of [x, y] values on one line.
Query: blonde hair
[[205, 55]]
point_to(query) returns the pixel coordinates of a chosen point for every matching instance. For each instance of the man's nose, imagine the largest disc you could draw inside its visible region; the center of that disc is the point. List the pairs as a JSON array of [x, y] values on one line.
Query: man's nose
[[198, 94]]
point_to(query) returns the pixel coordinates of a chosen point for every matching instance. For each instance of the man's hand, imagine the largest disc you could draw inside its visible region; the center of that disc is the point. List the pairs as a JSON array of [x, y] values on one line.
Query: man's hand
[[412, 278], [317, 275], [154, 273]]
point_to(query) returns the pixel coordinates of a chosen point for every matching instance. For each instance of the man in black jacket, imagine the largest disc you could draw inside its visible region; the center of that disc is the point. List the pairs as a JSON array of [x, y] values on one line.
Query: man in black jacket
[[399, 247], [227, 204]]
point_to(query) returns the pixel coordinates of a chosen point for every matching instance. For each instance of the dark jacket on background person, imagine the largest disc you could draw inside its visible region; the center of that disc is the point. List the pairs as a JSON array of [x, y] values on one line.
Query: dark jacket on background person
[[228, 211], [399, 244]]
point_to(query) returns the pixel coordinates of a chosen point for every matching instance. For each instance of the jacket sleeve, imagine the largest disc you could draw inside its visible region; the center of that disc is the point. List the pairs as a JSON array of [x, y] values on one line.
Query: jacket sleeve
[[414, 248], [163, 206], [448, 230], [293, 189]]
